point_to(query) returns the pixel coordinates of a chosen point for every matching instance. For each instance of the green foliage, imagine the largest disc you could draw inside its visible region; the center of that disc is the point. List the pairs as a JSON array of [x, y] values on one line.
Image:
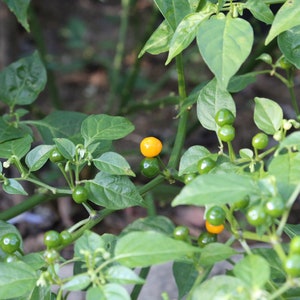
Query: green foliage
[[254, 189]]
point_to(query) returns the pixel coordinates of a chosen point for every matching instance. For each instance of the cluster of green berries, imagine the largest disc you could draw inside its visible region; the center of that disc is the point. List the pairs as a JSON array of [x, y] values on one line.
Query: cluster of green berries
[[150, 148]]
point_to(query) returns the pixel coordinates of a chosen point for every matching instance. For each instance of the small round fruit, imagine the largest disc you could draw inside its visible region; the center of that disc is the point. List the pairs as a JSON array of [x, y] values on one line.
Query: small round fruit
[[292, 265], [275, 207], [295, 245], [260, 141], [189, 178], [206, 238], [205, 165], [11, 258], [256, 215], [150, 146], [51, 256], [10, 242], [149, 167], [80, 194], [66, 237], [56, 156], [226, 133], [215, 215], [181, 233], [241, 204], [224, 117], [215, 229], [52, 239]]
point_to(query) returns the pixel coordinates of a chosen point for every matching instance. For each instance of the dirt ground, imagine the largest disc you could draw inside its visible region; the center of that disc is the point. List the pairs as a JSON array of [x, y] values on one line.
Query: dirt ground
[[80, 38]]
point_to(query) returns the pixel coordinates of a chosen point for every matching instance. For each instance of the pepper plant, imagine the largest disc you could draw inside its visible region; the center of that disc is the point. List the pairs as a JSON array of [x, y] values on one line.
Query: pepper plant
[[248, 193]]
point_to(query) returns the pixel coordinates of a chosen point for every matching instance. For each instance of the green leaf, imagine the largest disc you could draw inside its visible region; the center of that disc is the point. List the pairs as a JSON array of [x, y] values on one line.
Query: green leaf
[[104, 127], [292, 230], [227, 50], [8, 132], [292, 141], [122, 275], [216, 189], [286, 167], [14, 187], [113, 163], [260, 10], [173, 11], [286, 18], [22, 81], [254, 270], [268, 115], [18, 147], [89, 242], [65, 147], [246, 153], [211, 99], [60, 124], [35, 260], [159, 41], [77, 283], [95, 293], [222, 288], [215, 252], [16, 279], [289, 44], [20, 9], [156, 223], [185, 33], [38, 156], [185, 274], [190, 158], [238, 82], [142, 249], [113, 291], [113, 191]]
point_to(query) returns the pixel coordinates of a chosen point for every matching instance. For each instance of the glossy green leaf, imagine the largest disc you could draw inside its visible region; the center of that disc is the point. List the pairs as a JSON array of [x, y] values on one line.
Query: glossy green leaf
[[122, 275], [37, 157], [289, 44], [190, 158], [186, 32], [173, 11], [185, 274], [60, 124], [156, 223], [292, 230], [95, 293], [66, 147], [22, 81], [216, 189], [113, 191], [104, 127], [9, 132], [77, 283], [142, 249], [89, 242], [18, 147], [292, 141], [16, 279], [222, 288], [254, 270], [286, 167], [113, 291], [268, 115], [211, 99], [215, 252], [227, 50], [159, 41], [286, 18], [20, 9], [14, 187], [113, 163], [260, 10], [239, 82]]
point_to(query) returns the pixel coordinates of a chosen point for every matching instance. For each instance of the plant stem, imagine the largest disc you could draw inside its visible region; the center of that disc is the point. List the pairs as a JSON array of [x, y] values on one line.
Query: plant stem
[[182, 125], [137, 288], [26, 205]]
